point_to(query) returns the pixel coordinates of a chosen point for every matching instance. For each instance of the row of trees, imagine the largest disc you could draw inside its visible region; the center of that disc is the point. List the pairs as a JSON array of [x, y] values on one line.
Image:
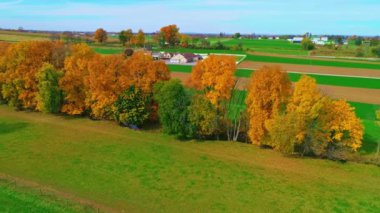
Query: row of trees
[[54, 77]]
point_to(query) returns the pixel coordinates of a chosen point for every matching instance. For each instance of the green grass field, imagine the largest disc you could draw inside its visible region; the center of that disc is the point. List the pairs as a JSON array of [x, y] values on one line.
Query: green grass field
[[143, 172], [294, 77], [329, 63], [14, 36], [268, 46], [20, 199]]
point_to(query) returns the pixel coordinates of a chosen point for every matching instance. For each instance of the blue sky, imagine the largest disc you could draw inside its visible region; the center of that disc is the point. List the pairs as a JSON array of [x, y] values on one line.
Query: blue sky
[[359, 17]]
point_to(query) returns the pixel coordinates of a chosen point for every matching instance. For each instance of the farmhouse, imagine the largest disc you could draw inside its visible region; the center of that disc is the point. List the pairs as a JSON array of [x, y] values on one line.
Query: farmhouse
[[184, 58], [322, 40], [296, 40]]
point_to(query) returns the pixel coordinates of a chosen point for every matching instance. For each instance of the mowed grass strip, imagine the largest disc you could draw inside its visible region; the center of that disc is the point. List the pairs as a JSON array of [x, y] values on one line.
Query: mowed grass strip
[[329, 63], [294, 77], [124, 169]]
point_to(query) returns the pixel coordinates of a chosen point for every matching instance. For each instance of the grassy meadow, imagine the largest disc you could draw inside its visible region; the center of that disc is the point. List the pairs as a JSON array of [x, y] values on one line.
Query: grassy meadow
[[124, 169], [14, 198]]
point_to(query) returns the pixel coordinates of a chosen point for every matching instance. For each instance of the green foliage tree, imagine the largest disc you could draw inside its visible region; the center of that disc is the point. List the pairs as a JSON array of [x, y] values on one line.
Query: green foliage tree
[[132, 107], [173, 102], [358, 41], [50, 96], [376, 51], [203, 115], [122, 37], [237, 35], [374, 42], [307, 44]]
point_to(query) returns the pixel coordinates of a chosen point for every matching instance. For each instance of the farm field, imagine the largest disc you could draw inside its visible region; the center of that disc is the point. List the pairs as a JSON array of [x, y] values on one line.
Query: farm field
[[329, 63], [321, 79], [122, 169], [10, 36], [263, 58], [266, 46]]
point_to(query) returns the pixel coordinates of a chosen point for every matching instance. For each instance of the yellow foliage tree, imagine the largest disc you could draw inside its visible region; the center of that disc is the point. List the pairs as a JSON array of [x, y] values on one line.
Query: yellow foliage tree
[[306, 103], [269, 90], [315, 124], [337, 125], [215, 76], [73, 81]]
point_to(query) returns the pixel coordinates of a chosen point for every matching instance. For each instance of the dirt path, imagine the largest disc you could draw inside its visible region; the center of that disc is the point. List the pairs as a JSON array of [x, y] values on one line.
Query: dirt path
[[314, 69], [370, 96], [47, 190]]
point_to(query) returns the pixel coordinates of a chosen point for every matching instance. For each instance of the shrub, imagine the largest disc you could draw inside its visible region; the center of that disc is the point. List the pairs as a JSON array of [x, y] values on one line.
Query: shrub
[[173, 102], [203, 116], [132, 108], [50, 96], [307, 44]]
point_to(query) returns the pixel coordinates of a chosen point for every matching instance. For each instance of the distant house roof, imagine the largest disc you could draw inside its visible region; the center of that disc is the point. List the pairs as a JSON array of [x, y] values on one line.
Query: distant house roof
[[189, 56]]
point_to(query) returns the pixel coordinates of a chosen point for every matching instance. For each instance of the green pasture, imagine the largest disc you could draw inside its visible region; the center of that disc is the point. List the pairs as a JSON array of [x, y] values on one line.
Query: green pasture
[[146, 171], [14, 198]]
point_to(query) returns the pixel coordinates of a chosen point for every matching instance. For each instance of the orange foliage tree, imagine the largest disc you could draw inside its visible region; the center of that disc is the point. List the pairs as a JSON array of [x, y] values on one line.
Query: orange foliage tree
[[143, 72], [268, 92], [100, 35], [170, 34], [103, 84], [73, 81], [20, 65], [215, 76]]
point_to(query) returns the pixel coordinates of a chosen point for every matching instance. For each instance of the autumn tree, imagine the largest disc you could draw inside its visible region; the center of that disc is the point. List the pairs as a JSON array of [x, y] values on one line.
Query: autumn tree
[[185, 40], [100, 35], [314, 124], [50, 96], [131, 108], [73, 81], [173, 102], [337, 127], [104, 86], [170, 35], [268, 92], [20, 65], [143, 72], [140, 38], [215, 77], [306, 103]]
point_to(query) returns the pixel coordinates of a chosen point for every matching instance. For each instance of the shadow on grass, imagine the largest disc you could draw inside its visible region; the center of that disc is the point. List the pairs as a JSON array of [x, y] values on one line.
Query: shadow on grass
[[6, 127], [369, 145]]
